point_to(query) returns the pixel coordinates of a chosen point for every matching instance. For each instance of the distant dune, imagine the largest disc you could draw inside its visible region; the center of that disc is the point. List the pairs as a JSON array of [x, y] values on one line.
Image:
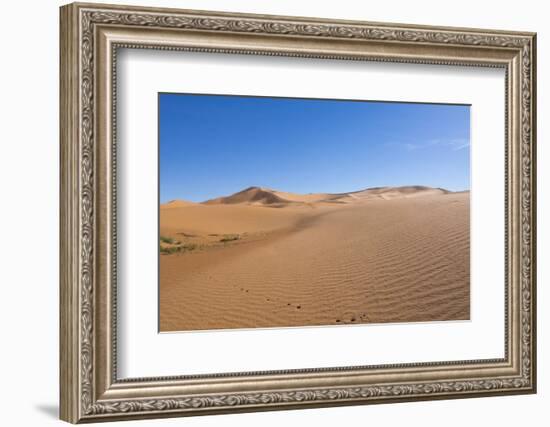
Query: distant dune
[[387, 254], [266, 196], [251, 195], [177, 204]]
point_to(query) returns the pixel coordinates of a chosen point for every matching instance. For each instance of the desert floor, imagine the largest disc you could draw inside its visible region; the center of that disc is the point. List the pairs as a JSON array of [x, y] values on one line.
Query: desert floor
[[263, 258]]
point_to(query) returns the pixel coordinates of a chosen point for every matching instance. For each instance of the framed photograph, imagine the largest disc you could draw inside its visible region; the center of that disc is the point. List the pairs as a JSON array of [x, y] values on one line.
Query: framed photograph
[[265, 212]]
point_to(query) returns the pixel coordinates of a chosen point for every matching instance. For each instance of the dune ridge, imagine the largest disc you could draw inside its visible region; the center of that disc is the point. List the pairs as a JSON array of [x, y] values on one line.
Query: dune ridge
[[177, 203], [386, 254], [253, 195], [267, 196]]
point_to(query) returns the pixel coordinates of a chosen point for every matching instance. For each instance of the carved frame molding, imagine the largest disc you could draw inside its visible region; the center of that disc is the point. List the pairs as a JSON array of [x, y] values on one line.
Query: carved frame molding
[[90, 390]]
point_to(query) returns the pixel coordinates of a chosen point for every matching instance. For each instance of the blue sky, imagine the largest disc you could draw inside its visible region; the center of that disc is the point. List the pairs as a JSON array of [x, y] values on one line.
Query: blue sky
[[213, 145]]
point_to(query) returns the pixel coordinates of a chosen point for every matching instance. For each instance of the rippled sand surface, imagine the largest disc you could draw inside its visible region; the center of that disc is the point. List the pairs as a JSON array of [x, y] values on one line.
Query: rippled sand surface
[[402, 257]]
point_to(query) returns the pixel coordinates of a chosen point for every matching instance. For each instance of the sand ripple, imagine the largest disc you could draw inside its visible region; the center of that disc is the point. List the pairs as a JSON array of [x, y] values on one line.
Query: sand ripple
[[380, 260]]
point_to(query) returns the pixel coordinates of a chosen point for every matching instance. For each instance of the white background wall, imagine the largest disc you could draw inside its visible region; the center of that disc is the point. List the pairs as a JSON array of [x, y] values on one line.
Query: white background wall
[[29, 170]]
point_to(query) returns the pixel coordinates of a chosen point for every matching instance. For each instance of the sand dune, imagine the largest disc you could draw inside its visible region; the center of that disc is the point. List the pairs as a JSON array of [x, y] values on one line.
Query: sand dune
[[390, 254], [394, 192], [176, 204], [266, 196], [251, 195]]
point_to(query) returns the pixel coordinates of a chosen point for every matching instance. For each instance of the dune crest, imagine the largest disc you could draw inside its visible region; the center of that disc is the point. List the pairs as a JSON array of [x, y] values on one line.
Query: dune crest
[[177, 203], [269, 197], [251, 195]]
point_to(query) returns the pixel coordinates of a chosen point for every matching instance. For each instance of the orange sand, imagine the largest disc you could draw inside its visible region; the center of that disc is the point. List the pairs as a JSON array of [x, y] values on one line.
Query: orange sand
[[264, 258]]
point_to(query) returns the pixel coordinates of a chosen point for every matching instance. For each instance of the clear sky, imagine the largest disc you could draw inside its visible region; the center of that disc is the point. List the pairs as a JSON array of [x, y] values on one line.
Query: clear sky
[[213, 145]]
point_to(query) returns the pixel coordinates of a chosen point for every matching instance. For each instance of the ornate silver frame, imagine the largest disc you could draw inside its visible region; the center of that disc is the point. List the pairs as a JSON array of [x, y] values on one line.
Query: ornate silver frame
[[90, 36]]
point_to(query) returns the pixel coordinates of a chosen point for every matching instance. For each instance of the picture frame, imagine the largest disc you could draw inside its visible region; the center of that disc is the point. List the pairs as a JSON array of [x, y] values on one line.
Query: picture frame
[[91, 35]]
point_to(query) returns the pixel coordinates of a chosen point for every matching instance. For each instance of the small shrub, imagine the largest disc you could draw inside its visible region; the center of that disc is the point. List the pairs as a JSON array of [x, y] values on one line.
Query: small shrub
[[168, 250], [167, 240], [229, 238]]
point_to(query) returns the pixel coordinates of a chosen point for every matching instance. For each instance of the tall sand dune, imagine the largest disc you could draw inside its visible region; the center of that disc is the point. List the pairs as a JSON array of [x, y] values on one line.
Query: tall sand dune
[[251, 195], [391, 254]]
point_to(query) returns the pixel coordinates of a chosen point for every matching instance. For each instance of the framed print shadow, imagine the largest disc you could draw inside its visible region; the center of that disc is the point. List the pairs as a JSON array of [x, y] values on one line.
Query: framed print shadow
[[264, 212]]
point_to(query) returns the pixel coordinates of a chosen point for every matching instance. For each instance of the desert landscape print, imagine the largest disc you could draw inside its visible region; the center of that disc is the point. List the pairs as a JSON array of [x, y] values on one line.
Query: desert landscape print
[[287, 212]]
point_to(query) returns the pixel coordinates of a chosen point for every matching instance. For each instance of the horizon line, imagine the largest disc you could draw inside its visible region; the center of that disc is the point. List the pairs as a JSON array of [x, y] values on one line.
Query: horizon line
[[252, 187]]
